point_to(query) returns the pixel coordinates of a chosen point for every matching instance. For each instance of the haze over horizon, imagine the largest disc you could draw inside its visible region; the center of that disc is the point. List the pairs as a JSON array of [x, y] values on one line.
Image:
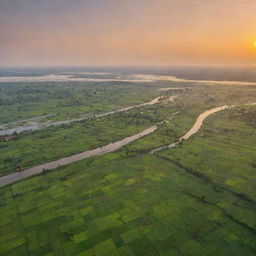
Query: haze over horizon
[[112, 32]]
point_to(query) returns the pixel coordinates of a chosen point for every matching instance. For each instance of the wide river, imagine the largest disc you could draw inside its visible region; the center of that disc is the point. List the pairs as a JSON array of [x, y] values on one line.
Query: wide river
[[10, 178], [132, 78]]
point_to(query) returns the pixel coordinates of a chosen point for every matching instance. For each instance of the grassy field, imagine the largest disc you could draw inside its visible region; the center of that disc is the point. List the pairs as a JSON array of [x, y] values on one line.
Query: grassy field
[[229, 160], [195, 199], [33, 148], [19, 101], [132, 205]]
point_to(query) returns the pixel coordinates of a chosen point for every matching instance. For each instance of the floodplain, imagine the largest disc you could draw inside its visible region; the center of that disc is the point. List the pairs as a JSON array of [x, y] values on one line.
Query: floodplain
[[198, 198]]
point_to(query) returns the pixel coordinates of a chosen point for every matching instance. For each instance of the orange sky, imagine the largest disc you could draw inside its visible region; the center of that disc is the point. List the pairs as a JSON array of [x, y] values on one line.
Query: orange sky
[[127, 32]]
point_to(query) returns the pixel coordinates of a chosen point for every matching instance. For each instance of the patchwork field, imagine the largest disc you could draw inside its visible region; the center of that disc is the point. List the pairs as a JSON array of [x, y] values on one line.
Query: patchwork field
[[198, 198]]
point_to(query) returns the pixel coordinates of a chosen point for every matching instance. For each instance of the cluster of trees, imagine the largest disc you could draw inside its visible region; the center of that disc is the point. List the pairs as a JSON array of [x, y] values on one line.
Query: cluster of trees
[[244, 114]]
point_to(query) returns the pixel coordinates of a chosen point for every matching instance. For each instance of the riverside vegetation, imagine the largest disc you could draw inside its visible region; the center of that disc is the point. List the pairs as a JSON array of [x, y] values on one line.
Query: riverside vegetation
[[195, 199]]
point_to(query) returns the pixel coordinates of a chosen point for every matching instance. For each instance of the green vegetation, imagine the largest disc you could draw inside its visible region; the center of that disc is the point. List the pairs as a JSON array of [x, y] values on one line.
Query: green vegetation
[[19, 101], [195, 199], [229, 159], [33, 148]]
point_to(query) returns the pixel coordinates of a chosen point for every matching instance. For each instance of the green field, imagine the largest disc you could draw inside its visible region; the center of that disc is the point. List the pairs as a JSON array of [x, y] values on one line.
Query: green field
[[20, 101], [196, 199]]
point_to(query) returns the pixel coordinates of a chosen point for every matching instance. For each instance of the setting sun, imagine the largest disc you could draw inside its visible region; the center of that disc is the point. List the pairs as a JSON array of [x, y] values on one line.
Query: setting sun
[[149, 109]]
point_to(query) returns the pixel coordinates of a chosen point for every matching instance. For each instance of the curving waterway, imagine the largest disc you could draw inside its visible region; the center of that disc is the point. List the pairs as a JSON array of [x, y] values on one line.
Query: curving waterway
[[197, 125], [36, 126], [10, 178], [195, 128]]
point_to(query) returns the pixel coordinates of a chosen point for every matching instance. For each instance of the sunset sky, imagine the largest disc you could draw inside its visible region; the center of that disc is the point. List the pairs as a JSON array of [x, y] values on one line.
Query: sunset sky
[[127, 32]]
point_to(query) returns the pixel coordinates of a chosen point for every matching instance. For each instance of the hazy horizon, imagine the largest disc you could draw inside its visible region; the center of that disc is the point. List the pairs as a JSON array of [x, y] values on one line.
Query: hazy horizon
[[127, 33]]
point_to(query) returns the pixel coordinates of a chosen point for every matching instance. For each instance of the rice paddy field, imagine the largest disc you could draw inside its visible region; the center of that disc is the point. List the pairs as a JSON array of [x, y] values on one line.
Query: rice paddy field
[[198, 198]]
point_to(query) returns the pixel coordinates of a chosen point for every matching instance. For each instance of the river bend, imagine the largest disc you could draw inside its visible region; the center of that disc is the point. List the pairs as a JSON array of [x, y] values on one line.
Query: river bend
[[13, 177]]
